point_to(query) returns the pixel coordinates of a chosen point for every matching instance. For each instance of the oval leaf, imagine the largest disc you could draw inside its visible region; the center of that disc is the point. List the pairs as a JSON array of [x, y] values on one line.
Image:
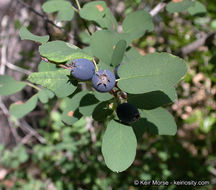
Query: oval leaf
[[101, 111], [57, 81], [26, 35], [60, 51], [44, 95], [45, 66], [98, 12], [152, 99], [10, 86], [102, 96], [137, 23], [20, 109], [178, 5], [93, 10], [119, 146], [157, 121], [71, 113], [156, 71], [64, 8], [197, 8], [118, 52], [103, 43], [88, 104]]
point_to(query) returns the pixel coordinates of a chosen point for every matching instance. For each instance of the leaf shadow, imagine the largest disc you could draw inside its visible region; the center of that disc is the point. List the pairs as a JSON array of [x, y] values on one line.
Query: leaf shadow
[[142, 126], [72, 80], [149, 100]]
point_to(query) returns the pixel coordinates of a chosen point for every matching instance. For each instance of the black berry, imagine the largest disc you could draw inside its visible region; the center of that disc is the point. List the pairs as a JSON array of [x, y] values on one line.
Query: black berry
[[127, 113]]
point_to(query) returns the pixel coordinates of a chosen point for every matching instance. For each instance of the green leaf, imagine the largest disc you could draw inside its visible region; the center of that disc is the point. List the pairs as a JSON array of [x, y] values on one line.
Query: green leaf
[[103, 43], [152, 99], [44, 95], [60, 51], [173, 7], [64, 9], [57, 81], [108, 21], [26, 35], [118, 52], [85, 37], [157, 121], [119, 146], [153, 72], [71, 113], [131, 55], [102, 96], [10, 86], [207, 123], [98, 12], [93, 10], [20, 110], [44, 66], [88, 104], [197, 8], [103, 65], [101, 111], [137, 23], [213, 24]]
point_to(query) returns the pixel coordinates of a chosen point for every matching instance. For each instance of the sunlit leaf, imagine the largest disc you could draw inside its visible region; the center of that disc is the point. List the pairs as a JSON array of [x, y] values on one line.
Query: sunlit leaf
[[64, 9], [119, 146], [56, 81], [26, 35], [137, 23], [60, 51], [156, 71]]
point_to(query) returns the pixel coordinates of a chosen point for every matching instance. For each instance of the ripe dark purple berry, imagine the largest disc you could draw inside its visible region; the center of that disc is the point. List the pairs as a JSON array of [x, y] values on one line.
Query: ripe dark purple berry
[[103, 81], [82, 69], [127, 113]]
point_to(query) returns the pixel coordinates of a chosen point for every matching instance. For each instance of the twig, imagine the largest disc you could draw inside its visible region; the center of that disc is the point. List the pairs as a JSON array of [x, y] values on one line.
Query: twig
[[157, 9], [26, 138], [96, 67], [196, 44], [60, 65], [19, 69], [33, 86], [12, 128], [44, 18], [4, 45], [91, 128], [78, 5], [26, 127]]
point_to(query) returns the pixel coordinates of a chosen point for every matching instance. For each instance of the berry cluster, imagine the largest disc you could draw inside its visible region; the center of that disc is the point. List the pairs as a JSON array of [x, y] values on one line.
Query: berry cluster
[[103, 81], [84, 70]]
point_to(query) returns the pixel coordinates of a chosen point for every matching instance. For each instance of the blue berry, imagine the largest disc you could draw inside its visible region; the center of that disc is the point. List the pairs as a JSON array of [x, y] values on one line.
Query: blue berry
[[127, 113], [82, 69], [103, 81]]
